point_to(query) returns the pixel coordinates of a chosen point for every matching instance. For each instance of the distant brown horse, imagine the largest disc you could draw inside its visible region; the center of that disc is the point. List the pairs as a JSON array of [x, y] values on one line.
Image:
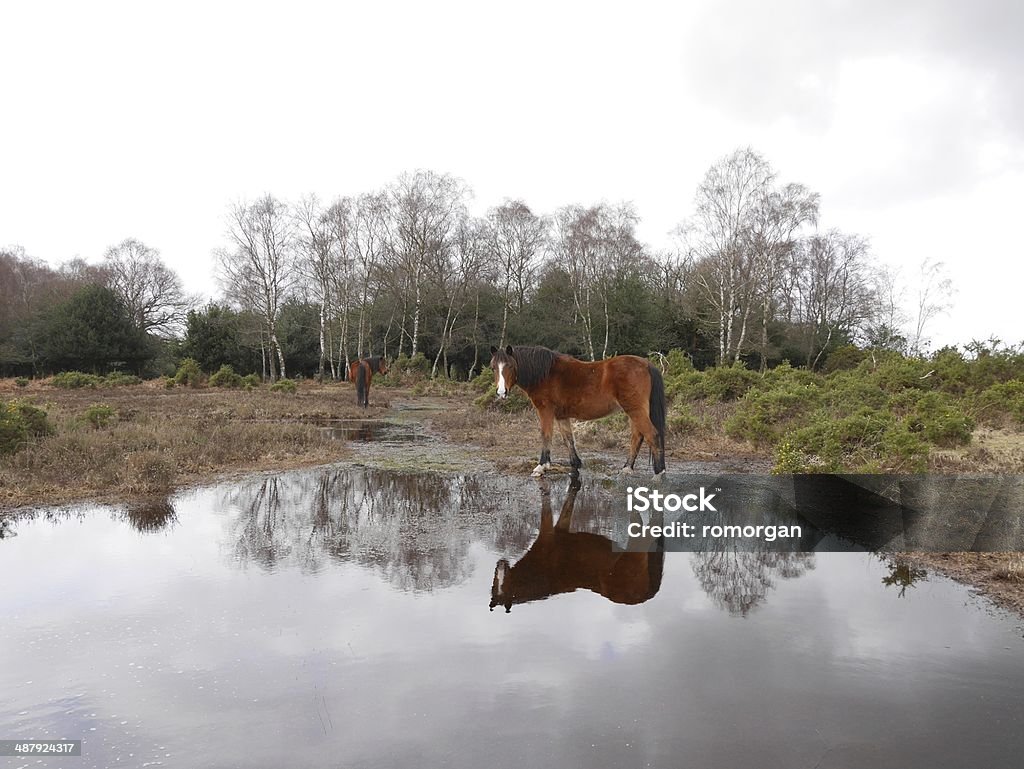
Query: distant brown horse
[[561, 561], [563, 388], [361, 372]]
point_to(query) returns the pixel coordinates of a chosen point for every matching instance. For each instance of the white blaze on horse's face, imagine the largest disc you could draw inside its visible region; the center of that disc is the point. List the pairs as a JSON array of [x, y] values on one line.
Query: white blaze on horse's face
[[502, 387]]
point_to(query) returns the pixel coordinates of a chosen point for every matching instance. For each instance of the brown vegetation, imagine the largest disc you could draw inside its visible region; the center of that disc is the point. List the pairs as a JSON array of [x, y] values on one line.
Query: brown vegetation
[[157, 438]]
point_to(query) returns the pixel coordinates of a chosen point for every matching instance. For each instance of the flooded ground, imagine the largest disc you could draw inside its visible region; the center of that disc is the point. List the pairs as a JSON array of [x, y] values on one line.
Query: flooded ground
[[356, 617]]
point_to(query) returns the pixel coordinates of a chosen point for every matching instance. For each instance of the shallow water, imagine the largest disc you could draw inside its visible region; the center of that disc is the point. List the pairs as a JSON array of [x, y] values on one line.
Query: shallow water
[[342, 618]]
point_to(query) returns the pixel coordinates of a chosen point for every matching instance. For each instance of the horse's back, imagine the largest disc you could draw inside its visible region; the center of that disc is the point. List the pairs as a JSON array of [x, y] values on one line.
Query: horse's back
[[593, 389]]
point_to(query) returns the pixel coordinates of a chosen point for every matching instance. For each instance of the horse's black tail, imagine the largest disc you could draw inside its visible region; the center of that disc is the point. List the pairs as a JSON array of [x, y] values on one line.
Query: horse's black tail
[[362, 385], [657, 413]]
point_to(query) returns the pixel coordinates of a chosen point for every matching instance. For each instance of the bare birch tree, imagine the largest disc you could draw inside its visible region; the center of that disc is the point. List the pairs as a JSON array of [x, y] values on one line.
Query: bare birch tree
[[370, 242], [316, 244], [427, 208], [456, 270], [934, 297], [728, 199], [516, 239], [835, 290], [259, 270]]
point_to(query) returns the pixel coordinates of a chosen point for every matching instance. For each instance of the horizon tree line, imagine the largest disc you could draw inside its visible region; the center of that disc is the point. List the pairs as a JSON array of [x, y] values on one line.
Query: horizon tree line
[[408, 272]]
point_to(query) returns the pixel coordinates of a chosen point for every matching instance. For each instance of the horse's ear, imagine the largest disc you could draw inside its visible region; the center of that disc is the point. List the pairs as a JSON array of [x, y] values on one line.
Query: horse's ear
[[493, 349], [509, 349]]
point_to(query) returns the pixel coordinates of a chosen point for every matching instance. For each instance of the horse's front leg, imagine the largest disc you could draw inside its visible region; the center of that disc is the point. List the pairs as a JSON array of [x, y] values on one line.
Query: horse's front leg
[[565, 428], [547, 425]]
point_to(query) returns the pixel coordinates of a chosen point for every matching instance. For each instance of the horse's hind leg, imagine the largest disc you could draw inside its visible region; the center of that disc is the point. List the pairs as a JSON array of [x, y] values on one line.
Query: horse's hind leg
[[635, 442], [643, 426], [547, 424], [565, 428]]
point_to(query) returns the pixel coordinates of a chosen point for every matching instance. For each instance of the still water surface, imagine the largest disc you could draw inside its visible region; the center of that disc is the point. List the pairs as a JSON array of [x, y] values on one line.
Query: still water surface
[[341, 618]]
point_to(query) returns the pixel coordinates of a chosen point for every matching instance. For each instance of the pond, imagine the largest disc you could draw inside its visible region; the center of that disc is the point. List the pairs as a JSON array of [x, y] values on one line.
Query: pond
[[358, 617]]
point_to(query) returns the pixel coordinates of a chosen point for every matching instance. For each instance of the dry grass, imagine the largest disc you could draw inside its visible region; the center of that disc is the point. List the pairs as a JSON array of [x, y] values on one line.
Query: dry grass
[[161, 438], [994, 451]]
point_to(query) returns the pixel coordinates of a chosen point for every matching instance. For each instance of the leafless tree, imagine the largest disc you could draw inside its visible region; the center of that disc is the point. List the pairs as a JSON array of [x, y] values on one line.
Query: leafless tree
[[934, 297], [371, 239], [316, 242], [341, 222], [729, 201], [516, 238], [835, 289], [259, 270], [427, 208], [149, 289], [595, 245], [455, 269], [777, 218]]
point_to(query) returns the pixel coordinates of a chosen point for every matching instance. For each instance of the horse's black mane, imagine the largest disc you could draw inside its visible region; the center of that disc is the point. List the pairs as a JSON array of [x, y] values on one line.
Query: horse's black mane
[[374, 362], [533, 364]]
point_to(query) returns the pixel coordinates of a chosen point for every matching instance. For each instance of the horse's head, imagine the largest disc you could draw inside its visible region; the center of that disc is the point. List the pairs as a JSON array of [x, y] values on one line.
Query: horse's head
[[382, 366], [501, 593], [503, 363]]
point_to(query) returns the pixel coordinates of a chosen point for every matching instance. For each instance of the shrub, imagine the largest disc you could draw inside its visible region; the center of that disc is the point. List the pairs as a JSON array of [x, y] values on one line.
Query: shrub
[[189, 373], [149, 472], [21, 382], [763, 416], [869, 440], [249, 381], [845, 391], [686, 385], [999, 401], [728, 383], [843, 359], [682, 420], [13, 431], [35, 419], [120, 379], [406, 371], [20, 421], [513, 404], [225, 376], [483, 381], [168, 383], [939, 421], [898, 373], [283, 386], [99, 415], [75, 380]]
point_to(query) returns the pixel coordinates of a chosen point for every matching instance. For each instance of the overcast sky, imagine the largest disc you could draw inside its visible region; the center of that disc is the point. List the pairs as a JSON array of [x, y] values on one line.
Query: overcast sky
[[133, 120]]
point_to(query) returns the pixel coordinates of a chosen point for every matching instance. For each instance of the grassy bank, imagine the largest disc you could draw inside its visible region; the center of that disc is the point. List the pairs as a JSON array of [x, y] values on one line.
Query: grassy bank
[[109, 442]]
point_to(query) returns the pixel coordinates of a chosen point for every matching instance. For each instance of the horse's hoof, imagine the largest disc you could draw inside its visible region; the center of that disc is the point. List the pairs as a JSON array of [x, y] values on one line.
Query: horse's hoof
[[626, 470], [539, 470]]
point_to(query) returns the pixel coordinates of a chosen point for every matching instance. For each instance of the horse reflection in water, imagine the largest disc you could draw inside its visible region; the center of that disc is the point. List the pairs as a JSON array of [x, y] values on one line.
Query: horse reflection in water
[[563, 561]]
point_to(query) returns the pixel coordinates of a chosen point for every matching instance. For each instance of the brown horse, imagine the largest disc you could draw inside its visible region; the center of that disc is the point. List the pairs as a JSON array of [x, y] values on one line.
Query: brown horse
[[563, 388], [361, 372], [561, 561]]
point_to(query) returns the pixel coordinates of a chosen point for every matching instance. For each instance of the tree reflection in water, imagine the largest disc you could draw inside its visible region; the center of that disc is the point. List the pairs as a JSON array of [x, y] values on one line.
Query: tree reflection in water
[[739, 581], [414, 528], [151, 515]]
